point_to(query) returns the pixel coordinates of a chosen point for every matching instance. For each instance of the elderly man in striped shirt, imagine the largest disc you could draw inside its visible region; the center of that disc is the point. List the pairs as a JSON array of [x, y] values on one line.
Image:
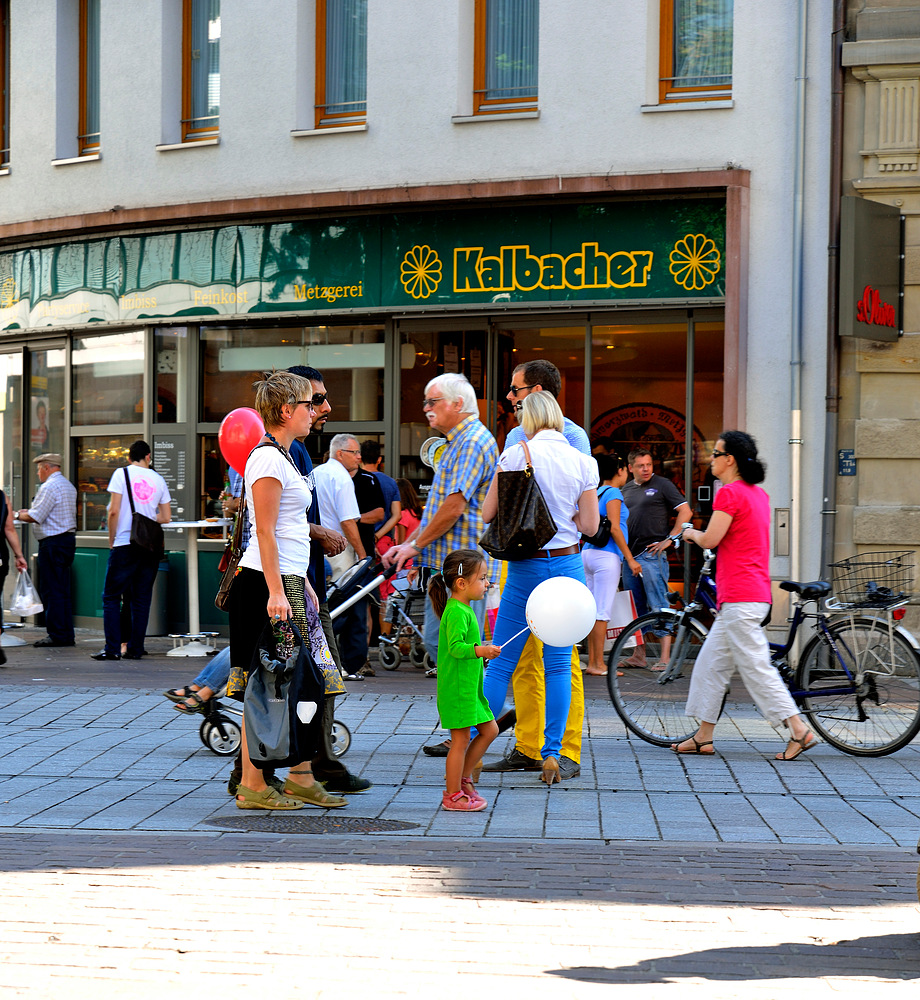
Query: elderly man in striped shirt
[[54, 514], [453, 512]]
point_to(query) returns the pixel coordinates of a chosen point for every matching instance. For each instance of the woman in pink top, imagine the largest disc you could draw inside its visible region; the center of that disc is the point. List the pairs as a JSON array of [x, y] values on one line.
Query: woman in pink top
[[740, 527]]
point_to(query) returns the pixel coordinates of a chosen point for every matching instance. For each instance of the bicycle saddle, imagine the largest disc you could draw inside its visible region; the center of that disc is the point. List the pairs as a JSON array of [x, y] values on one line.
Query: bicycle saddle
[[810, 591]]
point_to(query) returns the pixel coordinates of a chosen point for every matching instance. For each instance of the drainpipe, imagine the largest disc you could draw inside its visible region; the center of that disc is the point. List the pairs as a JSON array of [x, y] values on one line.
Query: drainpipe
[[795, 351], [829, 492]]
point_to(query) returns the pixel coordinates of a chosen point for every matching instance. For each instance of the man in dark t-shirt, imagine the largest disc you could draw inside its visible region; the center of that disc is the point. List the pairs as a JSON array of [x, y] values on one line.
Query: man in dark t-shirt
[[652, 502]]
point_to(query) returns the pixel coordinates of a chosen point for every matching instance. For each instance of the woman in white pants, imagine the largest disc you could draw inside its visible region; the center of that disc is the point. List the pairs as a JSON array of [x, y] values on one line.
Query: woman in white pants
[[740, 526]]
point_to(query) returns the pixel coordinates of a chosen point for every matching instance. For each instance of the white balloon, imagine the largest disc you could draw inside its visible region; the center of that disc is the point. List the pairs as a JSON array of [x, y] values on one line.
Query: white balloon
[[561, 611]]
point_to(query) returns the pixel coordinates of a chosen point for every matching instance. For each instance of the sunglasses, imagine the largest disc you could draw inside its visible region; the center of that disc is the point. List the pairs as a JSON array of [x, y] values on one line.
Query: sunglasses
[[319, 398], [514, 390], [428, 403], [718, 454]]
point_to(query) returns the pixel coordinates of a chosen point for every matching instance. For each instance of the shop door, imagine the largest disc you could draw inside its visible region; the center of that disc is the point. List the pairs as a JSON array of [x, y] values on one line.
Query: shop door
[[426, 350], [45, 407], [11, 407]]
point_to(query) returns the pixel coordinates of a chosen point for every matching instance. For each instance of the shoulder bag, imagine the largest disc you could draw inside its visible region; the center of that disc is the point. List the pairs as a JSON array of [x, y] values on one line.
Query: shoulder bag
[[523, 523], [233, 552], [602, 536], [283, 707], [146, 533]]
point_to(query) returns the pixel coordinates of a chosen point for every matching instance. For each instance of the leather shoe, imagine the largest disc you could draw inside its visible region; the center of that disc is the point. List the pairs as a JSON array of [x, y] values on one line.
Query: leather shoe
[[568, 768], [346, 784], [515, 761], [48, 641], [437, 749], [103, 655]]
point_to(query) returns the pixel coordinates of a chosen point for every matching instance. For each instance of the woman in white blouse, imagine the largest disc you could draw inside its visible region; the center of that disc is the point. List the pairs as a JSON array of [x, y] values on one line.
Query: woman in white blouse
[[568, 480]]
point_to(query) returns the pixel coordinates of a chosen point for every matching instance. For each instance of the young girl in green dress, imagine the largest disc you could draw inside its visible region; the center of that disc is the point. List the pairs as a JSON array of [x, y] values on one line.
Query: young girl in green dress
[[461, 702]]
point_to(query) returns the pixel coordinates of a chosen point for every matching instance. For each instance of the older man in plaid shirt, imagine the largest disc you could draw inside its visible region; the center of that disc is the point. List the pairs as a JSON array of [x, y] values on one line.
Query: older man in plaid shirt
[[453, 511]]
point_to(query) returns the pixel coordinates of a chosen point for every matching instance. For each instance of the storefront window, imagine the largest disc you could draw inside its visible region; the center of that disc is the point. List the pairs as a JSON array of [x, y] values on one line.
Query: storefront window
[[46, 403], [350, 358], [108, 379], [170, 347], [96, 459], [11, 425]]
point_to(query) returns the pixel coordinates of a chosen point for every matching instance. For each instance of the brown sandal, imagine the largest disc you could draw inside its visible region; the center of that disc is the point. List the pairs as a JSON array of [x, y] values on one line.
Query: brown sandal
[[697, 747], [804, 744]]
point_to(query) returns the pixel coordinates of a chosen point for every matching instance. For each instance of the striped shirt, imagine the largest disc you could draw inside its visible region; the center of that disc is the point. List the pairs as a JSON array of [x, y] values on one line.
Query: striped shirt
[[466, 466], [54, 508]]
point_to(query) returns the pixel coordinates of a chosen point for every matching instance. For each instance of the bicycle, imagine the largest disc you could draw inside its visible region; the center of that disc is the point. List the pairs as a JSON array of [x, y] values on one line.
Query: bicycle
[[857, 680]]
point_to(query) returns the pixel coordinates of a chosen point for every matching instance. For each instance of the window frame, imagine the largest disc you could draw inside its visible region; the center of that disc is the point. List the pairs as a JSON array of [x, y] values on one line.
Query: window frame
[[86, 145], [667, 92], [494, 106], [4, 83], [322, 118], [188, 132]]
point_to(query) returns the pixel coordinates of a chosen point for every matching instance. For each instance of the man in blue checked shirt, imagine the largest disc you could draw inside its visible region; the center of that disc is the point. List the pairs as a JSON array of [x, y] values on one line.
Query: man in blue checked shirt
[[54, 514], [453, 512]]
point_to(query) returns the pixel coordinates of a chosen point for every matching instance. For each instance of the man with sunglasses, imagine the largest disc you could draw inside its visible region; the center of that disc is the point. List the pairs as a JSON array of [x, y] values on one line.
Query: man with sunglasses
[[651, 500]]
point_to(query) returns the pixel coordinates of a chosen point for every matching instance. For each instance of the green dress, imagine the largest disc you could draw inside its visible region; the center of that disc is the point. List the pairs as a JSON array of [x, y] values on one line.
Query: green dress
[[461, 701]]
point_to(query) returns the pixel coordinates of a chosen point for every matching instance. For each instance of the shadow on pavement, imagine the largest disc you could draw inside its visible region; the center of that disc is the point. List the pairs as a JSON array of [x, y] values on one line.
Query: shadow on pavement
[[886, 956]]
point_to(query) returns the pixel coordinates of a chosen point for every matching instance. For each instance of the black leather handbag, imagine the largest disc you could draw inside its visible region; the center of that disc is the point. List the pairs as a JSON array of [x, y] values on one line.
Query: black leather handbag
[[602, 536], [523, 523]]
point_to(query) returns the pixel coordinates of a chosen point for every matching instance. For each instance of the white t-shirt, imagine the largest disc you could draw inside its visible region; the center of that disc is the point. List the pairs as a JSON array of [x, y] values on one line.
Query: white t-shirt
[[335, 491], [148, 490], [563, 473], [292, 530]]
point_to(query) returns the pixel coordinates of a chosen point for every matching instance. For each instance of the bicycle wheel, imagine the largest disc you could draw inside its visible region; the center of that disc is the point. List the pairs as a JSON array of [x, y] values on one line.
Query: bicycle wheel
[[651, 703], [878, 711]]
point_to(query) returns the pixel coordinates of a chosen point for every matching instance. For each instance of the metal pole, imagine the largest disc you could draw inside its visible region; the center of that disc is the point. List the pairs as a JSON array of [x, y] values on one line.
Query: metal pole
[[688, 433]]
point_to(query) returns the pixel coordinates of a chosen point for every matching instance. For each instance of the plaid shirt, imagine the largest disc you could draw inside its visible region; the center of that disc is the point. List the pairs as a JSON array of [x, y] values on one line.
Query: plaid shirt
[[54, 507], [466, 466]]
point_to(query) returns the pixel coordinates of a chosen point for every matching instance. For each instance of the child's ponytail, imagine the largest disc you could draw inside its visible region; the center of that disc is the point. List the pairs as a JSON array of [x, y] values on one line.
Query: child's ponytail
[[437, 593]]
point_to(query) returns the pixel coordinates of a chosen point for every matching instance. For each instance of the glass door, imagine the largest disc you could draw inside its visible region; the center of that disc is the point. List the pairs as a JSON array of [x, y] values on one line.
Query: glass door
[[11, 407]]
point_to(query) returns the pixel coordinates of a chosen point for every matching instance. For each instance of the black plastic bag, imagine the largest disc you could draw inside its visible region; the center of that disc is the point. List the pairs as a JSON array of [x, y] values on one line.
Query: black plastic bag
[[283, 707]]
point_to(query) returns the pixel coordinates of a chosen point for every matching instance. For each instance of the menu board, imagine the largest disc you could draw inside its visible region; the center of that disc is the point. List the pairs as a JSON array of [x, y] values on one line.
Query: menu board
[[170, 459]]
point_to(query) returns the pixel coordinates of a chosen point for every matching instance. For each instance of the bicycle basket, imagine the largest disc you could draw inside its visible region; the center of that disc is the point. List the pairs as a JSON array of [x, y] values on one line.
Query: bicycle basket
[[873, 579]]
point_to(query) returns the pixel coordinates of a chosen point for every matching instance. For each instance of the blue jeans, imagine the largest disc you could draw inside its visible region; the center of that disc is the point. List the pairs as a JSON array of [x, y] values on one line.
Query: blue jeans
[[132, 571], [216, 671], [523, 577], [432, 625], [650, 591]]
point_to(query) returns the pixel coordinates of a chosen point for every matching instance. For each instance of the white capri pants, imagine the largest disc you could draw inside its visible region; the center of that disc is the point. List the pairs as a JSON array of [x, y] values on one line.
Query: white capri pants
[[602, 575], [738, 642]]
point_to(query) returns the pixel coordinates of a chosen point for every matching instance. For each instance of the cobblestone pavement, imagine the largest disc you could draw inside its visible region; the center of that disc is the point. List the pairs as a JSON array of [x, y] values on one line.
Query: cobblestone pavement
[[127, 873]]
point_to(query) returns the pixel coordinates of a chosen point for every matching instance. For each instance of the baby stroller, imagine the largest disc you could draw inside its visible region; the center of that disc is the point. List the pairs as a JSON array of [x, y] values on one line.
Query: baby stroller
[[405, 612], [220, 731]]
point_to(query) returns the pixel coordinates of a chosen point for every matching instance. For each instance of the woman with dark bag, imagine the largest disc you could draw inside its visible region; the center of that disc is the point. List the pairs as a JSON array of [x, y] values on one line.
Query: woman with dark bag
[[568, 481], [740, 526], [273, 574]]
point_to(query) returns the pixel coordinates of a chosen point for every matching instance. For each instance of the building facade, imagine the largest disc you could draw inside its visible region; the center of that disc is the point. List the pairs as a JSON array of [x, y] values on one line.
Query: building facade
[[389, 190]]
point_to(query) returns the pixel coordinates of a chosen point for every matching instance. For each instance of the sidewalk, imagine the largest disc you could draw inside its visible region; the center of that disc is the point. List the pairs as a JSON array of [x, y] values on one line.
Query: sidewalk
[[130, 873]]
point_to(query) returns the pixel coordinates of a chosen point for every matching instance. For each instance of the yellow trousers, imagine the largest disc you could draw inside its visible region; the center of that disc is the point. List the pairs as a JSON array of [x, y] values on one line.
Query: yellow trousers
[[529, 698]]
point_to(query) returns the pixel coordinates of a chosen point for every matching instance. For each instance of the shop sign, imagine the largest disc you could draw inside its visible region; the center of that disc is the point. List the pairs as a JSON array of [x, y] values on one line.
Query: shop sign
[[658, 250], [870, 270]]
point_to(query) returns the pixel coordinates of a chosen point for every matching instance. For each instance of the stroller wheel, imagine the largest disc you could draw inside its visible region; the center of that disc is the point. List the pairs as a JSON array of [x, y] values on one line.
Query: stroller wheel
[[226, 743], [389, 657], [204, 729], [429, 666], [417, 656], [341, 738]]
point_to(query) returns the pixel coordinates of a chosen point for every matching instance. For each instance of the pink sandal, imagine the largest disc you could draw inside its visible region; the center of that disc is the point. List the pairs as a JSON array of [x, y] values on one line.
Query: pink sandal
[[461, 802]]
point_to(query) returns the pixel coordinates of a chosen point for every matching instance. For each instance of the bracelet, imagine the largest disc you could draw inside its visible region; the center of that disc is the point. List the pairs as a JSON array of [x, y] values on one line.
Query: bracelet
[[415, 546]]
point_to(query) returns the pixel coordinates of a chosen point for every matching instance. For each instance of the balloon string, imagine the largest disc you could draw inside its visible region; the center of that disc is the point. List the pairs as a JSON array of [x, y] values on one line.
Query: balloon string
[[526, 628]]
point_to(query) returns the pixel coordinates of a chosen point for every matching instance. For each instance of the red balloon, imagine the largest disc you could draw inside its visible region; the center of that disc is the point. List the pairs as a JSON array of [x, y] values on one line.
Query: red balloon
[[240, 431]]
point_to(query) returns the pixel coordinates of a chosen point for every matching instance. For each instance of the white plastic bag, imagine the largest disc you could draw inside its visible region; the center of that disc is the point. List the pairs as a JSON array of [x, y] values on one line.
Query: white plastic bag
[[26, 601], [622, 614]]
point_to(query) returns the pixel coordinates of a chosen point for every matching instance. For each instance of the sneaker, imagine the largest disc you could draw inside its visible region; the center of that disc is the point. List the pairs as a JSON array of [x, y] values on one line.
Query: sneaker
[[568, 768], [461, 802], [466, 785], [346, 784], [515, 761]]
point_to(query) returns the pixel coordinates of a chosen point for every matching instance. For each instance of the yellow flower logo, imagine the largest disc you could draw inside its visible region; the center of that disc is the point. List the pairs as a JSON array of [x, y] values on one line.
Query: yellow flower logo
[[695, 262], [8, 293], [420, 272]]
